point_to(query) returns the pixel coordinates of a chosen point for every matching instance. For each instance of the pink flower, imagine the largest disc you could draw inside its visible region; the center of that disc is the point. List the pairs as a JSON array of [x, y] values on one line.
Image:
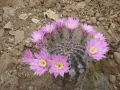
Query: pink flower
[[28, 56], [41, 64], [59, 65], [87, 29], [59, 24], [96, 49], [37, 37], [99, 36], [71, 24], [49, 29]]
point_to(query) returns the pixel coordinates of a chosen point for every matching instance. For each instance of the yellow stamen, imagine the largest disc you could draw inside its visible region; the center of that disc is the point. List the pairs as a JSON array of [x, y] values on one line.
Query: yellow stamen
[[93, 50], [96, 37], [49, 29], [59, 65], [42, 63], [71, 26]]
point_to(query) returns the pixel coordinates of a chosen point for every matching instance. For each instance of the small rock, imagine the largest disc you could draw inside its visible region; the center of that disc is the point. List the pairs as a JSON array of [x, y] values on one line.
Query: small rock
[[51, 14], [87, 1], [83, 20], [115, 87], [101, 19], [97, 14], [30, 87], [90, 13], [50, 3], [118, 77], [8, 26], [81, 4], [1, 32], [89, 22], [8, 11], [33, 3], [106, 27], [117, 57], [19, 35], [23, 16], [112, 26], [35, 20], [113, 16], [112, 78], [93, 20], [12, 32], [0, 19], [98, 23]]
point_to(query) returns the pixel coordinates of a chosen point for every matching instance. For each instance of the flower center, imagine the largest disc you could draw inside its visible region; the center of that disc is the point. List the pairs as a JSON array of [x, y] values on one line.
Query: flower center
[[96, 37], [93, 50], [71, 26], [42, 63], [59, 65], [49, 29]]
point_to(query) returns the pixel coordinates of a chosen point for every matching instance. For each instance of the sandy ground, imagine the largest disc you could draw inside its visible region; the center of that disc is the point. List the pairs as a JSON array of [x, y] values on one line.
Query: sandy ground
[[19, 18]]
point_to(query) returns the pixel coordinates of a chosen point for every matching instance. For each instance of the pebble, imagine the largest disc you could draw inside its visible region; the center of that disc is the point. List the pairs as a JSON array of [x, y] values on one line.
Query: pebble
[[8, 11], [93, 20], [0, 19], [101, 19], [8, 26], [35, 20], [23, 16], [90, 13], [112, 78], [82, 20], [89, 22], [81, 4], [1, 32], [30, 87], [97, 14], [19, 35], [12, 32], [112, 26], [51, 14], [117, 57], [113, 16], [118, 77]]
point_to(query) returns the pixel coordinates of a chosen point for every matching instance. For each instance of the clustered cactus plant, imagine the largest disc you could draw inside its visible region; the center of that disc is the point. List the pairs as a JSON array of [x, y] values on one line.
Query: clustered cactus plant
[[59, 55]]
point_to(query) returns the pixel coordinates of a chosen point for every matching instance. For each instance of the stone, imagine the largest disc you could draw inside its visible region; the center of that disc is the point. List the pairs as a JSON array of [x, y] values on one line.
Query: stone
[[51, 14], [35, 20], [113, 16], [101, 19], [0, 19], [19, 35], [8, 11], [118, 77], [90, 13], [112, 26], [117, 57], [30, 87], [12, 32], [33, 3], [49, 3], [1, 32], [23, 16], [93, 20], [97, 14], [112, 78], [8, 26], [87, 1], [81, 4], [89, 22]]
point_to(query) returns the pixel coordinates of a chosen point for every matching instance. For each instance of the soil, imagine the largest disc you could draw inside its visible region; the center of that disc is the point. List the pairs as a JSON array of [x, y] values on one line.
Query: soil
[[19, 18]]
